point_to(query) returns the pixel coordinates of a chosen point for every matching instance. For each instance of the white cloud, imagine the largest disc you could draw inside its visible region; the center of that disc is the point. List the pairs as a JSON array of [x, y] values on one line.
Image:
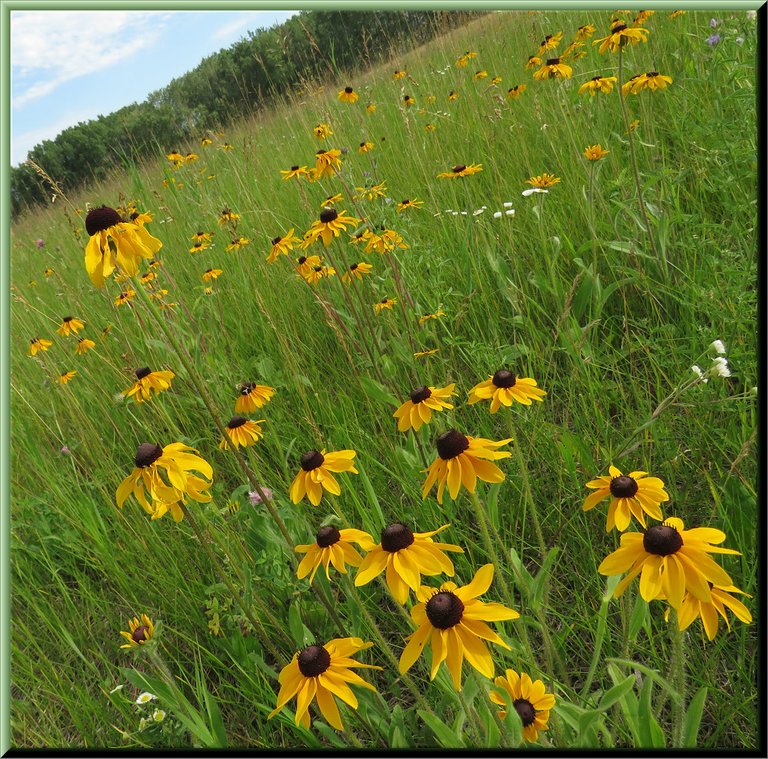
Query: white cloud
[[229, 30], [22, 143], [49, 48]]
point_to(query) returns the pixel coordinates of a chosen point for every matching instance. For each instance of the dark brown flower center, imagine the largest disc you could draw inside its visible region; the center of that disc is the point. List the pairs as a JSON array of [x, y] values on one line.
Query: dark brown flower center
[[99, 219], [294, 168], [235, 422], [327, 536], [276, 240], [68, 319], [353, 267], [406, 202], [348, 90], [596, 78], [652, 74], [662, 540], [458, 169], [450, 444], [140, 634], [444, 610], [143, 372], [247, 388], [317, 268], [327, 215], [396, 537], [313, 661], [553, 61], [312, 460], [147, 454], [526, 711], [618, 28], [420, 394], [504, 378], [623, 487]]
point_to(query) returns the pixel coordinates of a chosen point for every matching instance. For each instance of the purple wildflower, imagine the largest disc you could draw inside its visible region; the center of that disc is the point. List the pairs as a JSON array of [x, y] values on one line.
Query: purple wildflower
[[40, 243], [255, 498], [713, 40]]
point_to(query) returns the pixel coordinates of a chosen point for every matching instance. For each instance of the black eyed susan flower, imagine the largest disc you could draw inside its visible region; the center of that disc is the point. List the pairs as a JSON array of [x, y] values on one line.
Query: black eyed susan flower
[[481, 74], [453, 620], [651, 80], [315, 474], [573, 50], [282, 245], [253, 396], [543, 181], [106, 331], [228, 216], [348, 95], [430, 127], [533, 61], [453, 95], [112, 239], [202, 237], [598, 84], [365, 147], [422, 354], [417, 410], [237, 243], [408, 101], [585, 32], [408, 203], [140, 632], [461, 460], [553, 68], [332, 546], [84, 345], [496, 80], [305, 264], [318, 272], [721, 599], [148, 381], [208, 291], [166, 492], [199, 246], [330, 224], [175, 158], [295, 172], [385, 242], [226, 146], [243, 432], [620, 36], [676, 14], [332, 200], [384, 303], [406, 555], [66, 377], [70, 326], [205, 141], [504, 388], [357, 270], [550, 42], [634, 494], [190, 157], [461, 170], [530, 699], [328, 162], [670, 561], [125, 296], [322, 131], [642, 17], [49, 272], [514, 92], [370, 108], [372, 191], [427, 317], [398, 74], [595, 152], [212, 274], [322, 672]]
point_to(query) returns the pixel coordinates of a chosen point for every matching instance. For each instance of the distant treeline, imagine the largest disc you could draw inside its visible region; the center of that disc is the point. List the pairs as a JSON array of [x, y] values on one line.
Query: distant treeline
[[246, 77]]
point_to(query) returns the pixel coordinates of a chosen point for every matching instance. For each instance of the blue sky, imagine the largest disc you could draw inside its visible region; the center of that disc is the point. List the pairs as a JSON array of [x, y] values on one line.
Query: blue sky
[[71, 66]]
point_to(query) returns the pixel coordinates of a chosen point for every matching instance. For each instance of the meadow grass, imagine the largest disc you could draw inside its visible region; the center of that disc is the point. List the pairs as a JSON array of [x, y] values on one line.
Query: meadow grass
[[566, 290]]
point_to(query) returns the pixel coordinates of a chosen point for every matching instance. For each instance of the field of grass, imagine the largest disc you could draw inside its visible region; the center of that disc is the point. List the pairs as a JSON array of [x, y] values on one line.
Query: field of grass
[[570, 290]]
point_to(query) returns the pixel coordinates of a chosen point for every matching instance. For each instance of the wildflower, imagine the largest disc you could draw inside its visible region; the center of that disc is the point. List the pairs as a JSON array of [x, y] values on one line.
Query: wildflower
[[631, 495], [514, 92], [64, 378], [430, 127], [198, 246], [408, 203], [422, 402], [370, 108], [318, 272], [454, 620], [529, 698], [554, 68], [322, 672], [189, 157], [721, 599], [595, 152], [631, 84], [461, 170], [316, 473], [84, 345], [598, 84], [533, 190], [503, 388], [453, 95], [226, 216], [461, 460], [226, 146], [543, 180], [175, 157], [322, 131], [305, 264], [169, 492], [252, 396], [146, 382], [140, 632], [207, 291], [237, 243], [356, 270], [295, 172], [427, 317], [670, 561], [676, 14], [642, 17], [720, 367], [533, 61], [212, 274], [48, 271], [365, 147], [585, 32], [70, 326], [384, 303], [398, 74], [406, 555], [621, 35], [281, 245], [653, 80], [330, 224], [408, 101], [482, 74], [332, 546], [634, 124], [40, 243], [332, 200], [387, 241], [145, 698], [158, 715], [718, 346], [242, 432], [205, 141], [696, 369], [550, 42], [496, 80], [328, 162], [255, 498], [348, 95], [113, 239]]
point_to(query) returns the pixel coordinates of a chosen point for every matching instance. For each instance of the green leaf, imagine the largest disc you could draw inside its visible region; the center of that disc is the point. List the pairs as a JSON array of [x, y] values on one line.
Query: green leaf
[[377, 392], [693, 718], [445, 736], [612, 695], [638, 618]]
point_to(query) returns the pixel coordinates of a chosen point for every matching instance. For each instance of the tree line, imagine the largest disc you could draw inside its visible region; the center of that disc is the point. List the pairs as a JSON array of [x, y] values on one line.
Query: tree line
[[237, 81]]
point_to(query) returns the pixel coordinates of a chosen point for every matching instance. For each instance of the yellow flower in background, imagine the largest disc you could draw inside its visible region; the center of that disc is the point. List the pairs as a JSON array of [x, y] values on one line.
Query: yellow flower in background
[[408, 101], [514, 92], [453, 95], [140, 632], [398, 74], [550, 42], [676, 14], [327, 162], [652, 80], [543, 181], [84, 345], [48, 272], [533, 61], [427, 317], [175, 157], [496, 80], [430, 127], [595, 152], [212, 274], [332, 546], [148, 382], [461, 170], [693, 608], [634, 494], [243, 432], [417, 410], [529, 698], [322, 672], [356, 270], [478, 75], [620, 36], [305, 264], [315, 474], [408, 203], [331, 200], [365, 147], [370, 108], [253, 396], [461, 460], [318, 272], [406, 555], [237, 243], [585, 32], [598, 84], [422, 354], [553, 68], [65, 377], [322, 131], [330, 224], [384, 303], [282, 245], [70, 326], [189, 157], [295, 172], [505, 387], [205, 141], [347, 95], [453, 621], [642, 17], [226, 216]]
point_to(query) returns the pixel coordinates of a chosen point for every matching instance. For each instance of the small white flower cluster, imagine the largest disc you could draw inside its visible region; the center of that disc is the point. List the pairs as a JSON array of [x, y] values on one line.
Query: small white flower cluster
[[158, 715], [508, 211], [533, 190], [719, 366]]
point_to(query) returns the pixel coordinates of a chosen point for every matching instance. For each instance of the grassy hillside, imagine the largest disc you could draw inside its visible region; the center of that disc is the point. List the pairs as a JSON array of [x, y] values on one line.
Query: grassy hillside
[[569, 289]]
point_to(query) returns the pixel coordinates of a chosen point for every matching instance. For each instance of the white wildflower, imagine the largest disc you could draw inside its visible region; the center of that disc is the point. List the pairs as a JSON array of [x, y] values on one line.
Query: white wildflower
[[718, 346], [497, 214], [532, 190], [145, 698], [158, 715], [510, 212], [508, 205]]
